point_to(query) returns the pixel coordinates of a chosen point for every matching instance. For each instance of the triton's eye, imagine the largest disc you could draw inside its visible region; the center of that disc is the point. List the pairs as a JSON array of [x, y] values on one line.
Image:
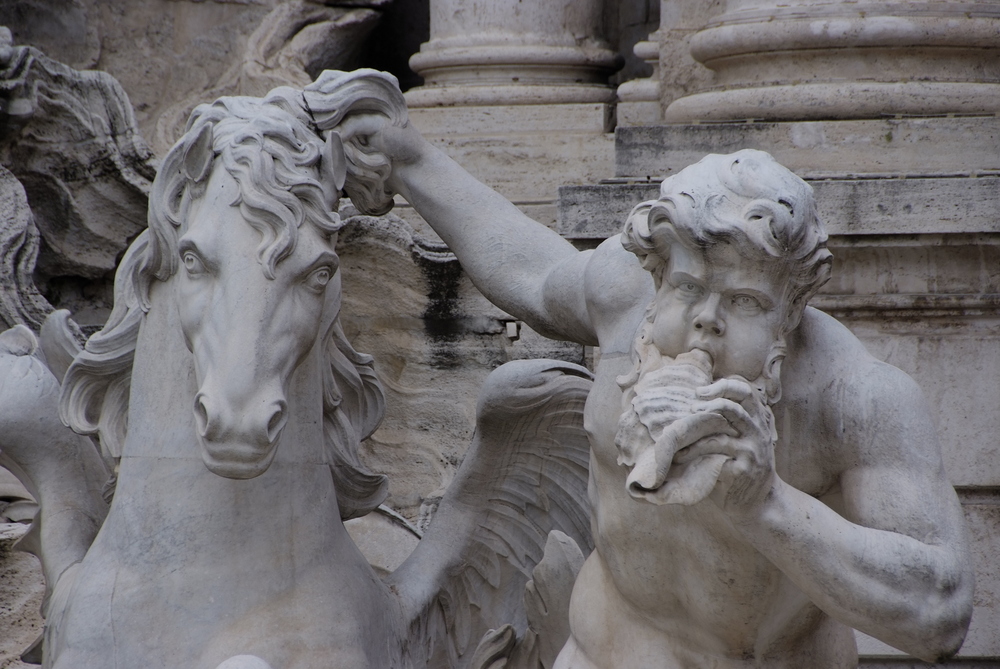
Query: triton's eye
[[319, 278], [689, 288], [192, 263], [746, 302]]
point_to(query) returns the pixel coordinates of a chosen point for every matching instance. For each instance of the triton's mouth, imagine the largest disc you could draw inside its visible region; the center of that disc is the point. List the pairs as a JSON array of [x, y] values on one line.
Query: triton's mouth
[[704, 348]]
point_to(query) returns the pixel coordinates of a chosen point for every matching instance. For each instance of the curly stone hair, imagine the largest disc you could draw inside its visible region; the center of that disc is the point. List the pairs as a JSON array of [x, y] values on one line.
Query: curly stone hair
[[745, 199], [284, 152]]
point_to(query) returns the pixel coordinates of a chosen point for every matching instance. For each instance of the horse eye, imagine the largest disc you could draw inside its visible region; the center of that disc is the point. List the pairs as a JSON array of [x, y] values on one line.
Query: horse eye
[[318, 279], [192, 263]]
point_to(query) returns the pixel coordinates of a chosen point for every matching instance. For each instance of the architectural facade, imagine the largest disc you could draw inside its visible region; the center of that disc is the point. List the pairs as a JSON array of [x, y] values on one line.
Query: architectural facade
[[576, 111]]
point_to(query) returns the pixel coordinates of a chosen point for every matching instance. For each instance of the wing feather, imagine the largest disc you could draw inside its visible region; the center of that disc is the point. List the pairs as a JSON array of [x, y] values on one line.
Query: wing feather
[[524, 475]]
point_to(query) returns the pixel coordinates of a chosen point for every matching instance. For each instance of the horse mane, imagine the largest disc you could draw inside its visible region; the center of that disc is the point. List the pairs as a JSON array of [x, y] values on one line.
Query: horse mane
[[274, 151]]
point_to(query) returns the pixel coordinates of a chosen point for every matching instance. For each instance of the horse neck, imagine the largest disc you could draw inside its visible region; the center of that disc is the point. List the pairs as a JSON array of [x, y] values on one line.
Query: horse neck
[[162, 469]]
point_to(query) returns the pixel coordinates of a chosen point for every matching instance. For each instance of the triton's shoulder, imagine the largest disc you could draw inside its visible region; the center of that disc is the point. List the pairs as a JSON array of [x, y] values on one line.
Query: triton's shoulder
[[614, 278], [825, 357], [618, 290]]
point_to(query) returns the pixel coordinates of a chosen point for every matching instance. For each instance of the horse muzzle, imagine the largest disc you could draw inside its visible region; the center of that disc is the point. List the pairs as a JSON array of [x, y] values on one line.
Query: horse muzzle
[[239, 442]]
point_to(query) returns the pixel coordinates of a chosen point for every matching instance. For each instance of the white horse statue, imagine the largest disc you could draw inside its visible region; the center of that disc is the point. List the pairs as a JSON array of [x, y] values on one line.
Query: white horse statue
[[228, 407]]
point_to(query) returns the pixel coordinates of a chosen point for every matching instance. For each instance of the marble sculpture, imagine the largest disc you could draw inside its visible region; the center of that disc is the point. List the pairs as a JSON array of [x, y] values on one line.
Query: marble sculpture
[[758, 484], [228, 407]]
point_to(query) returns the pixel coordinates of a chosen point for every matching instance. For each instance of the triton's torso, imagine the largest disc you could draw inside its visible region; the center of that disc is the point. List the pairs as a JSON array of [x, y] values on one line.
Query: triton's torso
[[678, 586]]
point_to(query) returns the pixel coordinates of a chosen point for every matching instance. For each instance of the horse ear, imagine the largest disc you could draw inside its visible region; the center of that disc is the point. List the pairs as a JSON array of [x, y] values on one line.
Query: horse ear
[[198, 156], [334, 167]]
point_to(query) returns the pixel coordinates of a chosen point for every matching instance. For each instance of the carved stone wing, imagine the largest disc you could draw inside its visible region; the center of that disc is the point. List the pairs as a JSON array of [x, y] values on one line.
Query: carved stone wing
[[62, 470], [524, 476]]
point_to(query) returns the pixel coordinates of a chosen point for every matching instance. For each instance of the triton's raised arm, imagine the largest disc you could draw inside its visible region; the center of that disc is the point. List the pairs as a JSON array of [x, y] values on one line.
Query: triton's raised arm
[[519, 264], [732, 468]]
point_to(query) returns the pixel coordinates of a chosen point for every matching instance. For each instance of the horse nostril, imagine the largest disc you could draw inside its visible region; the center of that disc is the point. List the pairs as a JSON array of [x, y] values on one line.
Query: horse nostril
[[201, 415], [277, 421]]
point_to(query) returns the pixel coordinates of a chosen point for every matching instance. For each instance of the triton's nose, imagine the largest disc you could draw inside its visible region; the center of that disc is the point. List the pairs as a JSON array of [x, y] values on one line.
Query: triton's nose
[[710, 317]]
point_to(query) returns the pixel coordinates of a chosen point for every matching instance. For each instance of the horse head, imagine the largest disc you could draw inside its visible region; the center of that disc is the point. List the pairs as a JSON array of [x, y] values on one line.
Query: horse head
[[242, 228], [243, 223], [249, 244], [248, 326]]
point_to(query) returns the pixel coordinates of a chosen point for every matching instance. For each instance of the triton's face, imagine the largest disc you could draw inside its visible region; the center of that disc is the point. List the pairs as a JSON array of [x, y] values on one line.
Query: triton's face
[[720, 301]]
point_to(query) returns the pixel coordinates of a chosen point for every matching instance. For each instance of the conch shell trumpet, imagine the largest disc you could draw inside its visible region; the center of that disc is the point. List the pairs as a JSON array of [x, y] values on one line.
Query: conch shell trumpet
[[663, 394]]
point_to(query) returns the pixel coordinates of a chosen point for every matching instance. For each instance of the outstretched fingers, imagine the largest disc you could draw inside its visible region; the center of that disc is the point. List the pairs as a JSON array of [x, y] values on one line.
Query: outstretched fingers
[[716, 444], [733, 413], [684, 433], [736, 390]]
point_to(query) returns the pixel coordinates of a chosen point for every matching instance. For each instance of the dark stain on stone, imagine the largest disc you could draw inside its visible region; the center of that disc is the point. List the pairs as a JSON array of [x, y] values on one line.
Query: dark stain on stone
[[442, 320]]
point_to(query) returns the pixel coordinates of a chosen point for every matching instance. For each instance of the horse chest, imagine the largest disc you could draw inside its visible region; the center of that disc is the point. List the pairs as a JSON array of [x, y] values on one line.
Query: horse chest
[[167, 585]]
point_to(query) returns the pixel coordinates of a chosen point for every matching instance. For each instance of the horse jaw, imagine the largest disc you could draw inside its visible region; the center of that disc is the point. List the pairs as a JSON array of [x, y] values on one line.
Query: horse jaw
[[236, 460]]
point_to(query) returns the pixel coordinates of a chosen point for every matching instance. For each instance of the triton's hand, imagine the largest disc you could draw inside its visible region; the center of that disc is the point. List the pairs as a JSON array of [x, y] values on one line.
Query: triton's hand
[[658, 476], [373, 134], [748, 476]]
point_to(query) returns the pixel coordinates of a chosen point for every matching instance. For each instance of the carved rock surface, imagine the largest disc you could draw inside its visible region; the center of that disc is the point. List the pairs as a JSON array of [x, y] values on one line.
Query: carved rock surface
[[21, 592], [173, 54], [20, 301], [71, 138], [435, 339]]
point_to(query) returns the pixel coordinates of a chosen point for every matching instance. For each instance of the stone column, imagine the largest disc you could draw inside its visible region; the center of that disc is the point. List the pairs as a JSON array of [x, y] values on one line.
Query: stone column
[[517, 92], [815, 59], [503, 52], [639, 99], [675, 72]]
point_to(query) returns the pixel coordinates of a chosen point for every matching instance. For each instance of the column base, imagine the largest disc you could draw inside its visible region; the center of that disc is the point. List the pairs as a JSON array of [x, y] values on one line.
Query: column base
[[639, 102], [848, 100], [466, 95]]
